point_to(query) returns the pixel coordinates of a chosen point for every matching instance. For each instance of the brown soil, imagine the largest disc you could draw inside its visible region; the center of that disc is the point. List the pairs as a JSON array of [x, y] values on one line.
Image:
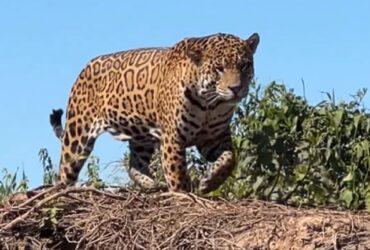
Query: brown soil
[[86, 218]]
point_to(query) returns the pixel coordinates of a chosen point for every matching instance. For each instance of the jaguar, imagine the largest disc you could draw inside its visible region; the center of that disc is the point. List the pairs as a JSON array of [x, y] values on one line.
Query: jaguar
[[174, 97]]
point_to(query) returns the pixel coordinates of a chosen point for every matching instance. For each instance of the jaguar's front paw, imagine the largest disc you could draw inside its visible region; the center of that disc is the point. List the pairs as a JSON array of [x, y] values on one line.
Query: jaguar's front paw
[[207, 184]]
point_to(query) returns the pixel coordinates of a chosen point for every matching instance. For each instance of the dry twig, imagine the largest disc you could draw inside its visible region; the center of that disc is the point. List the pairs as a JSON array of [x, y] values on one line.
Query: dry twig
[[90, 219]]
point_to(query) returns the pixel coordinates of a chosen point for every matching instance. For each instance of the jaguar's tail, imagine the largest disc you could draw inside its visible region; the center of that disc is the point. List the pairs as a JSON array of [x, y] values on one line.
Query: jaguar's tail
[[56, 122]]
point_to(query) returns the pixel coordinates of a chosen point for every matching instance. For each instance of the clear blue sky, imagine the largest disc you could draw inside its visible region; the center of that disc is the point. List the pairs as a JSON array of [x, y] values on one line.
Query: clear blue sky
[[44, 45]]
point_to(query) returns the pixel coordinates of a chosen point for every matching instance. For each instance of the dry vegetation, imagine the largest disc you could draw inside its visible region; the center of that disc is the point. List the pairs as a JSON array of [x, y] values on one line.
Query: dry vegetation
[[117, 218]]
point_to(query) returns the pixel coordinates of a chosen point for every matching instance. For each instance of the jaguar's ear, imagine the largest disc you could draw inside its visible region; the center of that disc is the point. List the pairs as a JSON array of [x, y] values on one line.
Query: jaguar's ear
[[193, 51], [253, 42]]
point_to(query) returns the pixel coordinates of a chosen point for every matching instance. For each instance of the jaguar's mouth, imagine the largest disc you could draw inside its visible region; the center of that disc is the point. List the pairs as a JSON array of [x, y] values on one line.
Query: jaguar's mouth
[[218, 95], [234, 101]]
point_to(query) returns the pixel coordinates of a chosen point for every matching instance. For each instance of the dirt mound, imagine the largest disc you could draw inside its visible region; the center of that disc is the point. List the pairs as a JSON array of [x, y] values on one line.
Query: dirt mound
[[117, 218]]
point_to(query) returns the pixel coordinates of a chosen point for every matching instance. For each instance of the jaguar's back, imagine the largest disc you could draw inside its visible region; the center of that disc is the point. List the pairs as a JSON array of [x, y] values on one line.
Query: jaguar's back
[[118, 87]]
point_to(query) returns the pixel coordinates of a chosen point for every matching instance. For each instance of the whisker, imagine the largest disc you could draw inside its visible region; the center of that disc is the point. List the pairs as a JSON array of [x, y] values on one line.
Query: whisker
[[216, 98], [210, 93], [210, 98]]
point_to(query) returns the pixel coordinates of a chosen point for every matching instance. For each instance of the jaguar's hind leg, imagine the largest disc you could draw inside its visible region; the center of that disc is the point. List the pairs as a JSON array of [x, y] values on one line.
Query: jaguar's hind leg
[[140, 157], [77, 143]]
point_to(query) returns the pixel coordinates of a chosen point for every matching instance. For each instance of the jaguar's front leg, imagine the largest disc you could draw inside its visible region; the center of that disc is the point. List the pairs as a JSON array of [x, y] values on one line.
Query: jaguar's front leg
[[220, 153], [174, 163]]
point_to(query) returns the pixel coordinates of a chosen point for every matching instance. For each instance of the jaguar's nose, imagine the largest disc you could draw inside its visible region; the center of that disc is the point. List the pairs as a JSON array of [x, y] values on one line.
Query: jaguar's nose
[[235, 89]]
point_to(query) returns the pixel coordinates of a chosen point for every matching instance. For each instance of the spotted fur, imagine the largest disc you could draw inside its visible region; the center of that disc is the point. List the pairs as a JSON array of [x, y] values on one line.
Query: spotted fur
[[177, 97]]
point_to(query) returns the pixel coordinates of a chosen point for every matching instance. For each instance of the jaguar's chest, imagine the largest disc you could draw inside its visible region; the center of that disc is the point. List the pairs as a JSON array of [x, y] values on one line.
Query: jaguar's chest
[[212, 123]]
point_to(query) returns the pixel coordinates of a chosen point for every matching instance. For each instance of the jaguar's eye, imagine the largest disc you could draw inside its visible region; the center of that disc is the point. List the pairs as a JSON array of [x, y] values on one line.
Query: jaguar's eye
[[219, 69], [244, 66]]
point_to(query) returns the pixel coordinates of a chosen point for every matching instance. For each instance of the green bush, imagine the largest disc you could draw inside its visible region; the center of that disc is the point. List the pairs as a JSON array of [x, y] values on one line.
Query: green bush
[[50, 175], [9, 184], [290, 152], [93, 172]]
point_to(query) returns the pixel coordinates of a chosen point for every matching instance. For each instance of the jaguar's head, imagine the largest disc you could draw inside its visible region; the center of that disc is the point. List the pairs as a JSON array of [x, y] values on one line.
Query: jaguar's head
[[223, 66]]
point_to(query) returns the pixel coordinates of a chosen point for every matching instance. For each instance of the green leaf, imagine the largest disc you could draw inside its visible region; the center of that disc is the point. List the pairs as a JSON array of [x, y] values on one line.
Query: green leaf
[[294, 125], [365, 147], [338, 117], [54, 221], [347, 197], [258, 183], [367, 201], [358, 151], [348, 177], [356, 120], [300, 172], [329, 148]]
